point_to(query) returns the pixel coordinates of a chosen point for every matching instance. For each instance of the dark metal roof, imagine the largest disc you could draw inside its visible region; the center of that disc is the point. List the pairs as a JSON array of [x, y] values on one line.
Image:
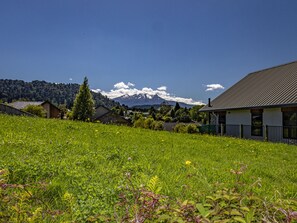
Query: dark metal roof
[[272, 87]]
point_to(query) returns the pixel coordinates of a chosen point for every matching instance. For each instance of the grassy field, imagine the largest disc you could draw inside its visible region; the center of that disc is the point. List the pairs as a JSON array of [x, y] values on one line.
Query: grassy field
[[79, 170]]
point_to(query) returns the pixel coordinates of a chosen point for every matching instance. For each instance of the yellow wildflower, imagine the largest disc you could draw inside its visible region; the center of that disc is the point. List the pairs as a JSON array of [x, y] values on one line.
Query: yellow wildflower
[[188, 162]]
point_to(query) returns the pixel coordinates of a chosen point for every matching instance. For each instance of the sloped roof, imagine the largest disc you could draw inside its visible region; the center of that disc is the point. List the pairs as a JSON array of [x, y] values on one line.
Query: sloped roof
[[272, 87], [24, 104]]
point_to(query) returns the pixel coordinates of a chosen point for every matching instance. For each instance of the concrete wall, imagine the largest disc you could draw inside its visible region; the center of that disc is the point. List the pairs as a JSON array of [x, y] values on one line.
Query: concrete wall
[[237, 117], [272, 117]]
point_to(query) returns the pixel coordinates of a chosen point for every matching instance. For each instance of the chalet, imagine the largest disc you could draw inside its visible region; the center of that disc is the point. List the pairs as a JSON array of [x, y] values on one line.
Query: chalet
[[52, 111], [107, 116], [263, 105], [9, 110]]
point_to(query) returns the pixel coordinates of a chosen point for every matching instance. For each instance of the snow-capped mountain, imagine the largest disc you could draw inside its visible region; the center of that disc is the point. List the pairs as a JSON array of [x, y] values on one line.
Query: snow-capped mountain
[[145, 100]]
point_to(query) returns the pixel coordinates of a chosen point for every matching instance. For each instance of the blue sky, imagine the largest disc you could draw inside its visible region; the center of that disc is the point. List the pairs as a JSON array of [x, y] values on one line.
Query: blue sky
[[179, 47]]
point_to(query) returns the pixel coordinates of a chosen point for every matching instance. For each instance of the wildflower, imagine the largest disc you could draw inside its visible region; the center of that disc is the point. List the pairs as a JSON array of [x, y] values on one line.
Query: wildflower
[[129, 158], [188, 162]]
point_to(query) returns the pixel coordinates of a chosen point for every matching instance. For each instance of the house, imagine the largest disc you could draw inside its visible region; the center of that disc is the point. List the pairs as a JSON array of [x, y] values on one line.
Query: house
[[52, 111], [9, 110], [263, 105], [107, 116]]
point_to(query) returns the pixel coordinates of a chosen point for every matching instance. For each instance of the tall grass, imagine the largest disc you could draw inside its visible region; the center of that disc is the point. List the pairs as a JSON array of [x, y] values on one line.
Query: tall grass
[[90, 162]]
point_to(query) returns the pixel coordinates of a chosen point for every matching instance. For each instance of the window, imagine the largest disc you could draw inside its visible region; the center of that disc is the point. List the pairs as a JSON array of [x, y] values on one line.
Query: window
[[257, 122], [290, 123]]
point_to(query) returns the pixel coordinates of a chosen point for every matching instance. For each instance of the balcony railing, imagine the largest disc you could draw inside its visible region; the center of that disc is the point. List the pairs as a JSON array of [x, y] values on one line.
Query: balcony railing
[[284, 134]]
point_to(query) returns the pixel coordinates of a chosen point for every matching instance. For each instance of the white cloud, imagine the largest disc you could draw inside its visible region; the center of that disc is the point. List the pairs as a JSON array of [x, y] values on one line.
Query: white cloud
[[70, 78], [129, 89], [212, 87]]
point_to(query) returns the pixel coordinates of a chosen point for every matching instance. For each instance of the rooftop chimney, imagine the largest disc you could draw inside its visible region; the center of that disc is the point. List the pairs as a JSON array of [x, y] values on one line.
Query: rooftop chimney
[[209, 105]]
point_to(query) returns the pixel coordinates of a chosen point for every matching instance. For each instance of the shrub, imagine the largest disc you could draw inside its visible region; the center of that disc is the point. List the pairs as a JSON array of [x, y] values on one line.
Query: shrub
[[139, 123], [192, 128], [69, 115], [158, 125], [37, 110], [181, 128], [167, 119], [148, 123], [184, 118]]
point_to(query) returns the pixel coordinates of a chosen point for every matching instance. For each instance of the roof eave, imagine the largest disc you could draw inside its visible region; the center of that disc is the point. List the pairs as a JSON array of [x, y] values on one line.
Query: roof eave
[[210, 109]]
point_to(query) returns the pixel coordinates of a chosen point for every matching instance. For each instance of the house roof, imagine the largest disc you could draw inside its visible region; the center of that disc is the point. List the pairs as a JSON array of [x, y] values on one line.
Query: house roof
[[272, 87], [24, 104]]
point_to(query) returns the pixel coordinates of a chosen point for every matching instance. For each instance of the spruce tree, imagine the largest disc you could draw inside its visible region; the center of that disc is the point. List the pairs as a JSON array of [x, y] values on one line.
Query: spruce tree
[[83, 108]]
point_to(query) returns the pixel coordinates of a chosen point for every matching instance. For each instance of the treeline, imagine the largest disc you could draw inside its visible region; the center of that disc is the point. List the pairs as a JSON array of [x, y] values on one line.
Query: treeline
[[165, 113], [59, 94]]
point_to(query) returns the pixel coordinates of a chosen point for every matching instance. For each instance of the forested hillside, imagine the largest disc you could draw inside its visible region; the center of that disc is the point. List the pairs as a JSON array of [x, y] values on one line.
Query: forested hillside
[[11, 90]]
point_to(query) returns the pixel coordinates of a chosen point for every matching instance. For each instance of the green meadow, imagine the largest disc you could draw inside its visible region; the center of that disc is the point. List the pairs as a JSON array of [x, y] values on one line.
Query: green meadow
[[67, 171]]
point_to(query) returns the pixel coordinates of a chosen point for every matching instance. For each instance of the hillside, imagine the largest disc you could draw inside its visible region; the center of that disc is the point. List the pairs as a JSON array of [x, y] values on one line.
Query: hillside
[[40, 91], [66, 171]]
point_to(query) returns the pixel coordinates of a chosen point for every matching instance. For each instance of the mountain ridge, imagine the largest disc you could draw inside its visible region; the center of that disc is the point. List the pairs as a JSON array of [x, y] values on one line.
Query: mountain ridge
[[145, 100]]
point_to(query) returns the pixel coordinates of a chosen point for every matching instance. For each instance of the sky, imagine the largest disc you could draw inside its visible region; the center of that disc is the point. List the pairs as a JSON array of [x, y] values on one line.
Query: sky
[[187, 49]]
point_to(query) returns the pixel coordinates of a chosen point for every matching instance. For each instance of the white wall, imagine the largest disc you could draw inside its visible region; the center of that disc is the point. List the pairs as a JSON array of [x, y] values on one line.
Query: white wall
[[272, 117], [237, 117]]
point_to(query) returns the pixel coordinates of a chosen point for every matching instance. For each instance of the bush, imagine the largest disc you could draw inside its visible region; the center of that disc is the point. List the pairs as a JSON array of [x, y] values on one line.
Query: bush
[[180, 128], [192, 128], [139, 123], [158, 125], [37, 110], [167, 119], [69, 115], [185, 118], [184, 128], [148, 123]]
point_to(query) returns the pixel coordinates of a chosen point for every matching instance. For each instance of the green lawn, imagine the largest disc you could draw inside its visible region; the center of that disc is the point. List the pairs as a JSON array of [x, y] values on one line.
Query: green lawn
[[88, 164]]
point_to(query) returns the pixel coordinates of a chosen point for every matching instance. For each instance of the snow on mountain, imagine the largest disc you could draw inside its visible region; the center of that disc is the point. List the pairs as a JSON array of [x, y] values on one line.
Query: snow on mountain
[[145, 99], [128, 94]]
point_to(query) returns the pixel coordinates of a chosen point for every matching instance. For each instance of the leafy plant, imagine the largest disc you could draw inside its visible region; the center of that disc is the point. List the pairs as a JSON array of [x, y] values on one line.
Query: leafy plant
[[37, 110]]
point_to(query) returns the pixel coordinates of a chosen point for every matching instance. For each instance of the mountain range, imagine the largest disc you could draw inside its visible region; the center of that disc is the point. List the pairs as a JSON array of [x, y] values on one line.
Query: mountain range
[[59, 93], [146, 101]]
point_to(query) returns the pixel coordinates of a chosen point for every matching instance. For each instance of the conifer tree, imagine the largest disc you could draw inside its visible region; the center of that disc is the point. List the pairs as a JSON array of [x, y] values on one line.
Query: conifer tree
[[83, 108], [177, 107]]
